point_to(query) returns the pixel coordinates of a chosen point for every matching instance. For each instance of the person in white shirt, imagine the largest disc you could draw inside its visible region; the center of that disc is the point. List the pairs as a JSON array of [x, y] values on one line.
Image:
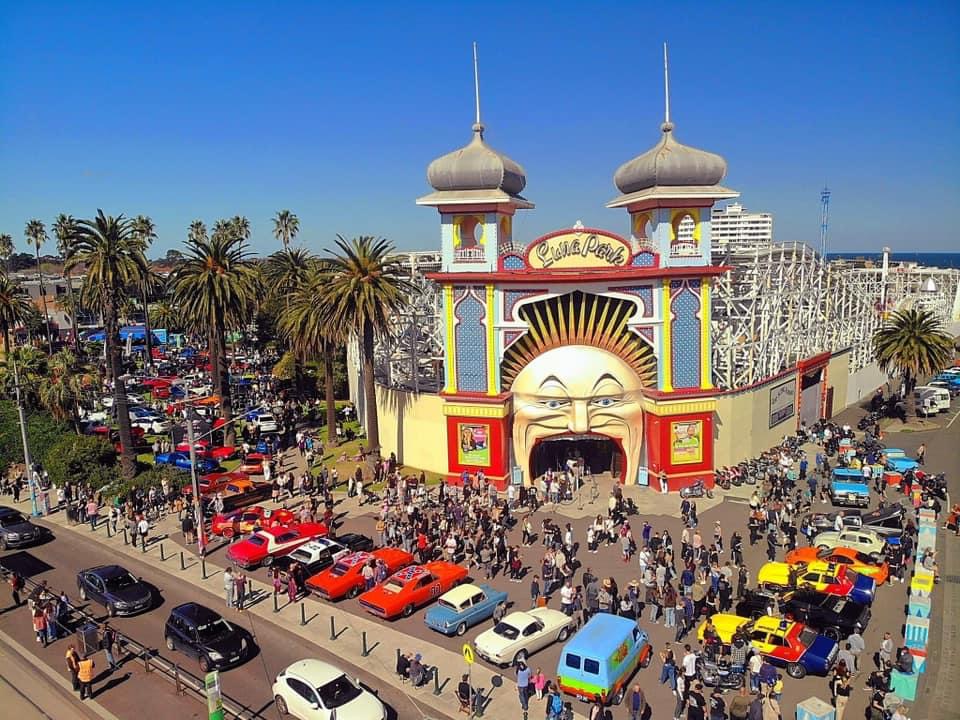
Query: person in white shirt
[[838, 522], [566, 597], [689, 663]]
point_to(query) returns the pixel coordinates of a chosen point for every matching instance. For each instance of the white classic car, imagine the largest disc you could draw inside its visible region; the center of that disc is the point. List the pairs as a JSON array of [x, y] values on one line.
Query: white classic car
[[520, 634], [866, 541]]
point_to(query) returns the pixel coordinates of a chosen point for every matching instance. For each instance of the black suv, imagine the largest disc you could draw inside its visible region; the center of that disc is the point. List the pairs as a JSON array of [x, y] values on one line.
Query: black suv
[[16, 530], [116, 589], [203, 634], [833, 616]]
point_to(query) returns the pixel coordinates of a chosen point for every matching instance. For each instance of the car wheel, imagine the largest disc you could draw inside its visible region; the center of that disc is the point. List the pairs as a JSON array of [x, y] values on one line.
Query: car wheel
[[281, 705], [83, 593], [5, 546], [111, 610], [461, 628], [520, 657], [647, 659], [823, 547], [617, 697], [564, 634], [407, 610], [204, 664], [796, 671], [170, 644], [268, 561], [228, 532], [832, 633], [353, 592]]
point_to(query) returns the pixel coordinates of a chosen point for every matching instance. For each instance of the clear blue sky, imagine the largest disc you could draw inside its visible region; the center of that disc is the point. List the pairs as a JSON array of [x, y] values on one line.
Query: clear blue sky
[[204, 110]]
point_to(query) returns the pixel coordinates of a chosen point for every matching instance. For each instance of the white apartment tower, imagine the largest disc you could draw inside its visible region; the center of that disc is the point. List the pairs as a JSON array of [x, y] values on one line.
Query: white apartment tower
[[733, 229]]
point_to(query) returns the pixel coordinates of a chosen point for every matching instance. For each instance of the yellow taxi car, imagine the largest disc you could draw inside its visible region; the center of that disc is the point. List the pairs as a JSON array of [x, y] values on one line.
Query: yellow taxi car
[[829, 578]]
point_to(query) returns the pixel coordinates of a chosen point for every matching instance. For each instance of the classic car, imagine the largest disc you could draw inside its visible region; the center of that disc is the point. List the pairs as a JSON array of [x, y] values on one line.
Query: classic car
[[321, 553], [411, 587], [345, 578], [253, 463], [901, 464], [462, 607], [182, 461], [833, 616], [116, 589], [214, 482], [829, 578], [203, 634], [869, 542], [244, 520], [853, 559], [264, 545], [888, 520], [16, 530], [848, 487], [521, 634], [784, 643], [315, 690]]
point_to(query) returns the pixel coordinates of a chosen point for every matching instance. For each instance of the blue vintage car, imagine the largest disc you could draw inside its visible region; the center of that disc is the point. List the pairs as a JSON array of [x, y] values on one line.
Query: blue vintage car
[[901, 464], [182, 461], [463, 606], [847, 487]]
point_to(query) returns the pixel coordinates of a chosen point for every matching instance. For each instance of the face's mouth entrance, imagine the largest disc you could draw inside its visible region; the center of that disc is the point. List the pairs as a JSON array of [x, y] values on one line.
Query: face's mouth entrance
[[594, 453]]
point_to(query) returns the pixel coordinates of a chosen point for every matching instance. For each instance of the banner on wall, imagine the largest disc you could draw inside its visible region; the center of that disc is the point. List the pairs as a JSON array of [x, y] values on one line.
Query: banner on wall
[[473, 445], [782, 402], [686, 442]]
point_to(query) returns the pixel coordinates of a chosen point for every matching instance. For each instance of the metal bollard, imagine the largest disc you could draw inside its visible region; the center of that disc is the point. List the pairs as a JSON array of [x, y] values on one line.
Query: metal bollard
[[203, 566], [436, 680], [108, 529], [126, 540], [146, 660], [333, 629], [363, 639], [303, 613], [162, 558], [276, 602], [182, 564], [143, 544], [176, 676], [396, 664]]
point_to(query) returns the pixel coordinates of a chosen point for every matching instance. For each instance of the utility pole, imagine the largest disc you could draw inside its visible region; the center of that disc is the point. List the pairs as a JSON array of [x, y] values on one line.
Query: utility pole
[[28, 463], [824, 220], [197, 505]]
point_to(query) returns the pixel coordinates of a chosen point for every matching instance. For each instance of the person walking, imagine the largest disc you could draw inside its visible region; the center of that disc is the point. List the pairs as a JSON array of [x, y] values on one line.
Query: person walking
[[523, 685], [229, 587], [921, 453], [143, 528], [85, 669], [16, 587], [40, 624], [108, 639], [93, 514], [638, 703], [240, 589], [73, 666]]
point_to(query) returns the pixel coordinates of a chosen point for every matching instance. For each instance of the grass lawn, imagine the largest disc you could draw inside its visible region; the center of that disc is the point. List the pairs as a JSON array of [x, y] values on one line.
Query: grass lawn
[[347, 467]]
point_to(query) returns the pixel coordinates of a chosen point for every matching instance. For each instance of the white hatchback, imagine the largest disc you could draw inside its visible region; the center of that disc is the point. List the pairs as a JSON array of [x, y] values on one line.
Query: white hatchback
[[312, 690]]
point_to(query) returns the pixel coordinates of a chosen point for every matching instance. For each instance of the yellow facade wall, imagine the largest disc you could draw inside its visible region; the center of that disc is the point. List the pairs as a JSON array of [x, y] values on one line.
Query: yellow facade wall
[[414, 427]]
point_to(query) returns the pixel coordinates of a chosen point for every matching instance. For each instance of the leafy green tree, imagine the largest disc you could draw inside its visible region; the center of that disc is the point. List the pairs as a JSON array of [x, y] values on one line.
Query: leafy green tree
[[912, 344], [63, 386], [81, 459], [36, 234], [113, 255], [31, 368], [164, 314], [364, 291], [6, 250], [14, 308], [217, 288], [64, 227], [286, 225], [42, 432]]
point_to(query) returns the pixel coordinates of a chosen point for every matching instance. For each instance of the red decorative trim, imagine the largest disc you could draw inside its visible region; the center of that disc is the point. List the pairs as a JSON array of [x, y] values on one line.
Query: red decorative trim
[[672, 204], [813, 363], [477, 397], [577, 275]]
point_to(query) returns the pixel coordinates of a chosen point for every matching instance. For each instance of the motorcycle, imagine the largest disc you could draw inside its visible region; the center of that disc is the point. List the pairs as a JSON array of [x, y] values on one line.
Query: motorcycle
[[698, 489]]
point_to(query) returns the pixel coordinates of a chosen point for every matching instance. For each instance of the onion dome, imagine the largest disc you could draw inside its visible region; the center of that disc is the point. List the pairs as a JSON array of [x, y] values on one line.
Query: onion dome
[[477, 166], [670, 164]]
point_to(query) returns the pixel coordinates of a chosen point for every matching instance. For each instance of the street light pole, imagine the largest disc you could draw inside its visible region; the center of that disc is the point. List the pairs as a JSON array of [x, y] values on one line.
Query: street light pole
[[197, 508], [28, 463]]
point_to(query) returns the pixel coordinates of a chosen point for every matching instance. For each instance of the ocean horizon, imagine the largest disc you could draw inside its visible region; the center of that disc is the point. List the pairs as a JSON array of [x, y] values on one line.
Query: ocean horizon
[[927, 259]]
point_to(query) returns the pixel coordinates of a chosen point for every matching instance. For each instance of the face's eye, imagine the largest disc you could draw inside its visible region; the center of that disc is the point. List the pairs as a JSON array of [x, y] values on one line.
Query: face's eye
[[605, 402], [555, 403]]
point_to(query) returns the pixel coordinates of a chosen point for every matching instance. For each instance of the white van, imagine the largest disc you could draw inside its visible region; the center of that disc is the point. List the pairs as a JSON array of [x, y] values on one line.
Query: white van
[[931, 400]]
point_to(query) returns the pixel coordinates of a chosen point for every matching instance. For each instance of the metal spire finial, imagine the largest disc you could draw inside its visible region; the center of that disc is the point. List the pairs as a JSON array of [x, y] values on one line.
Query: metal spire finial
[[667, 125], [478, 126]]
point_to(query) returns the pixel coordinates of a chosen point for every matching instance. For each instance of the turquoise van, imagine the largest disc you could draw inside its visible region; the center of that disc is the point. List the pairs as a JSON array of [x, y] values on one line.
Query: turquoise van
[[601, 658]]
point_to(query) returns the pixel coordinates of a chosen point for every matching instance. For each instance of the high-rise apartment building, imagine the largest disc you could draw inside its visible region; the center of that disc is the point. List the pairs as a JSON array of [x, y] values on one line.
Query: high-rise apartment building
[[733, 229]]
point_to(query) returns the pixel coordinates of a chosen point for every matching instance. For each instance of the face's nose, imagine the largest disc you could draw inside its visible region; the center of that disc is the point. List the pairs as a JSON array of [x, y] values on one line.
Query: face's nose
[[579, 417]]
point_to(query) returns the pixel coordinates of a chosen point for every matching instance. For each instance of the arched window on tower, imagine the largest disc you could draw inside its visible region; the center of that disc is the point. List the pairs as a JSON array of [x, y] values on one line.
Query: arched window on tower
[[685, 234], [468, 238]]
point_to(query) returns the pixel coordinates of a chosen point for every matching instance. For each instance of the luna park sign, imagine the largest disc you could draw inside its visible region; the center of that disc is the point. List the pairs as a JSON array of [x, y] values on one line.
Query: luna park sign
[[578, 249]]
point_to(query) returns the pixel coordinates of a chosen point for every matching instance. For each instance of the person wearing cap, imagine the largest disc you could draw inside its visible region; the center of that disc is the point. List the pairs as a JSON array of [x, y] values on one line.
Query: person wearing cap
[[523, 684]]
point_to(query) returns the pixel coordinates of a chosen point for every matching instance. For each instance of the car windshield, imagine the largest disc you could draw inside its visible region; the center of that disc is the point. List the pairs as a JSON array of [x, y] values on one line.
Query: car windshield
[[213, 631], [338, 692], [392, 586], [448, 605], [12, 519], [340, 569], [863, 558], [256, 540], [504, 630], [807, 637], [120, 582]]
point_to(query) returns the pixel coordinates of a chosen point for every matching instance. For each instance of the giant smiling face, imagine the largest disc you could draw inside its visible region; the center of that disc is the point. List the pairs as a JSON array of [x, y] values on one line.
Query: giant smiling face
[[578, 389]]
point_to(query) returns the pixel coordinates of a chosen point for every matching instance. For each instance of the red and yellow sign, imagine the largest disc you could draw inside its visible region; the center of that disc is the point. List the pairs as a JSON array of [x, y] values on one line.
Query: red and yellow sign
[[686, 442], [579, 249]]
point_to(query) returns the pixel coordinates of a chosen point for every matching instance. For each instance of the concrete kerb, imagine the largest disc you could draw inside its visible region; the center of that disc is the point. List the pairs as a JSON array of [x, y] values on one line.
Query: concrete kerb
[[349, 629]]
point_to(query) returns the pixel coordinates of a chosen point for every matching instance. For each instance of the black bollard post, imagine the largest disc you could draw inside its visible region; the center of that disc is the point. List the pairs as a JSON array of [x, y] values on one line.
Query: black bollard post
[[126, 540], [363, 639], [162, 557], [182, 565], [303, 613], [176, 677], [333, 630], [436, 680], [397, 664], [108, 529], [143, 544], [203, 567], [276, 603]]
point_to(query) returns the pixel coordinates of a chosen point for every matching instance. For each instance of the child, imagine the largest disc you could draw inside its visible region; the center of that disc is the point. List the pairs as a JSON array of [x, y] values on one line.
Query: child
[[539, 683]]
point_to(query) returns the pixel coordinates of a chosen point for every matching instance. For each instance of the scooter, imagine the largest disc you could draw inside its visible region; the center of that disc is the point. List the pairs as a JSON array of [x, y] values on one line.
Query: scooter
[[698, 489]]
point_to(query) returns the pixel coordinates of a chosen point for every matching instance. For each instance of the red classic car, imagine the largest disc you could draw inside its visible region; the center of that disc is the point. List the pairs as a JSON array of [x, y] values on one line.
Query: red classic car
[[203, 450], [113, 435], [345, 578], [411, 587], [264, 545], [253, 465], [243, 520]]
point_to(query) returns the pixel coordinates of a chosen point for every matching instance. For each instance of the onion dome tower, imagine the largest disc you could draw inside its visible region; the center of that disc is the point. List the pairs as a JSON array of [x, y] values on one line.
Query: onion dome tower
[[669, 191], [477, 190]]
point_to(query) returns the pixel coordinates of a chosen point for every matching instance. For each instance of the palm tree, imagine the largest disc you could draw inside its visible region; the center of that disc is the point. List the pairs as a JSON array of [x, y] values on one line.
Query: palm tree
[[311, 325], [286, 270], [6, 250], [64, 227], [14, 309], [36, 234], [63, 386], [31, 369], [164, 314], [144, 228], [364, 290], [112, 254], [912, 343], [286, 225], [198, 231], [216, 288]]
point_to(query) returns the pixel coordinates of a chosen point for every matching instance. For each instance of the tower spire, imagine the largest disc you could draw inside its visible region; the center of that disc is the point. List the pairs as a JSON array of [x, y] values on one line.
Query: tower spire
[[666, 91], [478, 126]]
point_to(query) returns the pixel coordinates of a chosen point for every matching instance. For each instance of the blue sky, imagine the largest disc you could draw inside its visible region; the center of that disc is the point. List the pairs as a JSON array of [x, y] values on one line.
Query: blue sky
[[205, 110]]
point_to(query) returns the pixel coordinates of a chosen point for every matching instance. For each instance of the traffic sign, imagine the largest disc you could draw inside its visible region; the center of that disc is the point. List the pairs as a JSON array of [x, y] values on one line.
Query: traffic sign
[[468, 654]]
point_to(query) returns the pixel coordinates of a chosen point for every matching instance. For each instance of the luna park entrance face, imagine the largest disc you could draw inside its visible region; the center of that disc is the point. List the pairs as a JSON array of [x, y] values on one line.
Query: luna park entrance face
[[589, 454]]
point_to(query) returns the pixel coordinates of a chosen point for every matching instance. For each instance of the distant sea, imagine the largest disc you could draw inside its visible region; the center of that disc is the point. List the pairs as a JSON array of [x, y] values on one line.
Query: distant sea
[[929, 259]]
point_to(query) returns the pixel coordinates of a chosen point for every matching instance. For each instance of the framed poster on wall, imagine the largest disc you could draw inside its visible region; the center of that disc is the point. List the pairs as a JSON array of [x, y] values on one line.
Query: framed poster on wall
[[686, 442], [473, 444], [782, 402]]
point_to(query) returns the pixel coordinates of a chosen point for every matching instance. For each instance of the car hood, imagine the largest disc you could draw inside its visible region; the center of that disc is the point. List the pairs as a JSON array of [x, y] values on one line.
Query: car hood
[[365, 706], [133, 594], [491, 643], [21, 527], [822, 648], [229, 645], [864, 587]]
